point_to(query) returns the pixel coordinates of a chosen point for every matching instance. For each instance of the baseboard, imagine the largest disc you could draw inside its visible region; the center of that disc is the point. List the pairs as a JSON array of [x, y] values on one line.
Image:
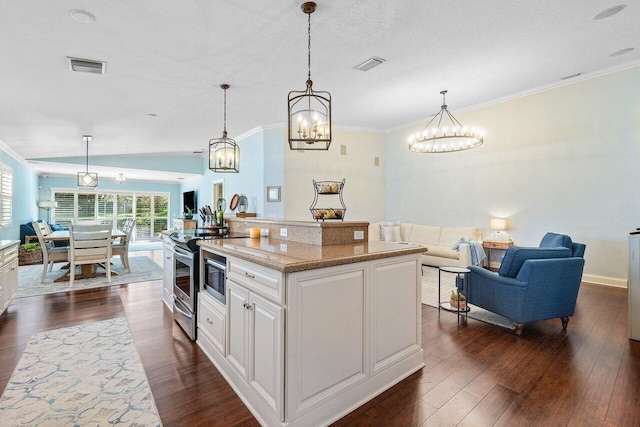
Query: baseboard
[[604, 280]]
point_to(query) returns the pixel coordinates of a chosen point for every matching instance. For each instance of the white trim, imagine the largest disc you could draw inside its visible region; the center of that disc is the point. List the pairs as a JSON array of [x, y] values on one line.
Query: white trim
[[594, 279], [553, 85], [17, 157]]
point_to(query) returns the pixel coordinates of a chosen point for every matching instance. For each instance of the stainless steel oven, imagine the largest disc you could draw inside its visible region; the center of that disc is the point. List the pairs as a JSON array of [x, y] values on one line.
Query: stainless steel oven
[[185, 288], [215, 275]]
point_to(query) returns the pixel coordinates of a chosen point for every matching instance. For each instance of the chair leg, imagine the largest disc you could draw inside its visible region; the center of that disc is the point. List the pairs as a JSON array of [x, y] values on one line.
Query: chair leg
[[72, 274], [125, 262], [519, 327], [108, 268], [565, 322], [44, 273]]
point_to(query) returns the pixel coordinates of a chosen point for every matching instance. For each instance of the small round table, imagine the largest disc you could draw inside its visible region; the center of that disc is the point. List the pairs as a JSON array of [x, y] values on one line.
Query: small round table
[[461, 279]]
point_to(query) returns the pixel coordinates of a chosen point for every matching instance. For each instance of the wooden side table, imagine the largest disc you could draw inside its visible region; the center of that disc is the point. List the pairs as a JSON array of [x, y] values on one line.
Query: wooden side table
[[492, 244]]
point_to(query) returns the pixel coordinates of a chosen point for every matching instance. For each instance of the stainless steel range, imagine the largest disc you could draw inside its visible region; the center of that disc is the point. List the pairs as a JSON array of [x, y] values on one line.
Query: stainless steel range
[[186, 276]]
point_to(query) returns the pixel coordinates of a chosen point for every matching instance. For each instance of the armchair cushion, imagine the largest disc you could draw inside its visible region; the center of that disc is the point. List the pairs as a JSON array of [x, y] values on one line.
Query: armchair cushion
[[517, 255], [554, 240]]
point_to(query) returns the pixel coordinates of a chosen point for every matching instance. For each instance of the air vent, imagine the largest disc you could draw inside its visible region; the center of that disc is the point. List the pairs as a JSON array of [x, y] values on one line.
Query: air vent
[[369, 63], [86, 65]]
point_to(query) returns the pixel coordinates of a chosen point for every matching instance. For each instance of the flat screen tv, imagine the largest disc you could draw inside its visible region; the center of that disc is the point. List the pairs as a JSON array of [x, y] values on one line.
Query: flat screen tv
[[189, 201]]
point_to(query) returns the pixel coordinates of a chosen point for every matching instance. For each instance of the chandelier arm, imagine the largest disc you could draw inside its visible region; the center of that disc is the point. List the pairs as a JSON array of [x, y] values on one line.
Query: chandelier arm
[[441, 114], [430, 121], [453, 119]]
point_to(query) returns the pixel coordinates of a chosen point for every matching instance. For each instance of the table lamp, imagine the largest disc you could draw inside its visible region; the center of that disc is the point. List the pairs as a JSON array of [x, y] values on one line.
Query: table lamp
[[499, 224], [48, 205]]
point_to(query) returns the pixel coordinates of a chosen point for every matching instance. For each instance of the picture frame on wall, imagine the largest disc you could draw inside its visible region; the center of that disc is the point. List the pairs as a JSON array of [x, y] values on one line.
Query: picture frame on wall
[[273, 193]]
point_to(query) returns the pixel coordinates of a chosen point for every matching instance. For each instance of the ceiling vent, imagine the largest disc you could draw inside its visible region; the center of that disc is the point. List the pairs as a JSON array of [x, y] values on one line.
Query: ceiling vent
[[369, 63], [86, 65]]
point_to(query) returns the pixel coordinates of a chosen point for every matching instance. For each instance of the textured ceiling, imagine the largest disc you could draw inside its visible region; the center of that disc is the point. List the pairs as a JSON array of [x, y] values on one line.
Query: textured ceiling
[[168, 58]]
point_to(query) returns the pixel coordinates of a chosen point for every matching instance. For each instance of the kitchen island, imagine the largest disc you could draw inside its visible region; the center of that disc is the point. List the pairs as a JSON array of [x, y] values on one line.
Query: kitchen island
[[308, 333]]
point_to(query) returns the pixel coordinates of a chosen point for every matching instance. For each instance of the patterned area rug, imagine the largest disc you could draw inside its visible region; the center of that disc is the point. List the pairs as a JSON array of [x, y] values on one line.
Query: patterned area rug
[[430, 297], [142, 269], [88, 375]]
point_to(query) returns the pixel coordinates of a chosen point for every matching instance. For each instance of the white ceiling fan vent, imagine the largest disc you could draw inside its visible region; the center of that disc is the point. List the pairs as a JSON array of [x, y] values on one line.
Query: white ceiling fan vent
[[86, 65], [374, 61]]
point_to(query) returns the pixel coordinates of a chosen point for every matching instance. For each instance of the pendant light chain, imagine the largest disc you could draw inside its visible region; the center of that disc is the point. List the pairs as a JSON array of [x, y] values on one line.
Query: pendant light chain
[[225, 112], [309, 46]]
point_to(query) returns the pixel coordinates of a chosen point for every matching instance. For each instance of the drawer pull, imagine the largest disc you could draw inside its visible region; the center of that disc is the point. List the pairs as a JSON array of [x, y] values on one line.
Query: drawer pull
[[251, 276], [247, 306], [209, 321]]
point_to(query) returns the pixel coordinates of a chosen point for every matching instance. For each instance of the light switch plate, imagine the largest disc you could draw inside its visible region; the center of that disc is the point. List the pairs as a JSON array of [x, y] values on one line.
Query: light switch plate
[[358, 235], [283, 232]]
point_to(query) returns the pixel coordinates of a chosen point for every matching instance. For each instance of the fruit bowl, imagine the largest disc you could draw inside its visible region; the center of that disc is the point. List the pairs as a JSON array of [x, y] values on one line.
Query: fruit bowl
[[327, 213], [328, 187]]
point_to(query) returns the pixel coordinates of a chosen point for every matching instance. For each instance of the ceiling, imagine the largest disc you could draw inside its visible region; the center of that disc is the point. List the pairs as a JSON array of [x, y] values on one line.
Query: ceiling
[[166, 59]]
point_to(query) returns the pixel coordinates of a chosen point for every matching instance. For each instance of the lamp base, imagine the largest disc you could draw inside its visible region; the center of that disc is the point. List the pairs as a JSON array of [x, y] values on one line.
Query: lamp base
[[499, 236]]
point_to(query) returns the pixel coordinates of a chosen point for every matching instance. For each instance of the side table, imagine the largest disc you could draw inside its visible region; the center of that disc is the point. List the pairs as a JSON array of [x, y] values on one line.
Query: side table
[[461, 278], [494, 244]]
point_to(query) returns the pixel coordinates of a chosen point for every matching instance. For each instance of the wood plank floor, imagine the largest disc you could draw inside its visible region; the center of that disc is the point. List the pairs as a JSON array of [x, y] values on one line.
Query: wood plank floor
[[475, 375]]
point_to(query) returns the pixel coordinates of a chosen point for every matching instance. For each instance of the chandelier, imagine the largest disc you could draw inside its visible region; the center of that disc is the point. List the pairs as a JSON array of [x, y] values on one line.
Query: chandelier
[[309, 110], [446, 134], [87, 179], [224, 154], [121, 179]]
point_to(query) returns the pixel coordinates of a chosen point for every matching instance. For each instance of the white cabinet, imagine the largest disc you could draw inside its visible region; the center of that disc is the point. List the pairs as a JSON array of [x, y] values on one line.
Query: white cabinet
[[8, 273], [167, 280], [256, 344], [212, 321]]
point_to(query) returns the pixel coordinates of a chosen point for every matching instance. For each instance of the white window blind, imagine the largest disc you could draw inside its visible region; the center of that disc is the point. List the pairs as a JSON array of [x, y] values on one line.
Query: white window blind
[[6, 188], [64, 213]]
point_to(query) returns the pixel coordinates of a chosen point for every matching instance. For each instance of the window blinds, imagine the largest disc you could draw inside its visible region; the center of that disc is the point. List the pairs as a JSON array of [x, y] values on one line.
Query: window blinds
[[6, 190]]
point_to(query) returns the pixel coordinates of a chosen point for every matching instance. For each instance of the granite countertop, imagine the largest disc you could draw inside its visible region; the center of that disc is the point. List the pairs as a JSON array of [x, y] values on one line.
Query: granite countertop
[[288, 257], [6, 243]]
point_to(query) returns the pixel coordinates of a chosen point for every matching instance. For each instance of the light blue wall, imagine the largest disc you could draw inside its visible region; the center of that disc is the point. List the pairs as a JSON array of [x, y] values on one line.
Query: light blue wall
[[188, 163], [25, 189], [274, 149], [249, 181], [46, 184]]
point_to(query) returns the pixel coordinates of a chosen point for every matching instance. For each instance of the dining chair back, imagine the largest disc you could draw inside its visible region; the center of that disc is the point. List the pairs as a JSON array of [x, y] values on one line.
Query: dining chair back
[[122, 246], [50, 254], [89, 244]]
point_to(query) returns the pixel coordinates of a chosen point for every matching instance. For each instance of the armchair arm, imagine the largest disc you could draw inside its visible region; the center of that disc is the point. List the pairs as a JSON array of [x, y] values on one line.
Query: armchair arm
[[499, 294]]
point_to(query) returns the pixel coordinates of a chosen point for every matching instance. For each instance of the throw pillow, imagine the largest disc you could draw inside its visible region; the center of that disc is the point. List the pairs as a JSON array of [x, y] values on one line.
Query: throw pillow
[[384, 224], [391, 233]]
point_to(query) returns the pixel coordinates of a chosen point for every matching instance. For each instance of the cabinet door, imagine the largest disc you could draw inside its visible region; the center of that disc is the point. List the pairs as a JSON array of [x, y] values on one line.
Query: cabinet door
[[5, 294], [238, 300], [266, 338], [167, 265], [13, 279]]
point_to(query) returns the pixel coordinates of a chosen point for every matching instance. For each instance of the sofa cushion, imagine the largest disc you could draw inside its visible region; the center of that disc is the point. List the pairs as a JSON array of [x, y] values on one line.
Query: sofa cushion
[[441, 251], [425, 234], [516, 256], [374, 231], [391, 233], [450, 235], [554, 240]]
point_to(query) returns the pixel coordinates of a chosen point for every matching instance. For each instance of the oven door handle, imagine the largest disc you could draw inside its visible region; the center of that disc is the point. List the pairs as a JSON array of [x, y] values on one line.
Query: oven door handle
[[178, 250], [175, 307]]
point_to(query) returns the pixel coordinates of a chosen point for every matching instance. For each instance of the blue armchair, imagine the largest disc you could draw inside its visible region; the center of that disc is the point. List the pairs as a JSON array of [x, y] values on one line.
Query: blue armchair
[[532, 283]]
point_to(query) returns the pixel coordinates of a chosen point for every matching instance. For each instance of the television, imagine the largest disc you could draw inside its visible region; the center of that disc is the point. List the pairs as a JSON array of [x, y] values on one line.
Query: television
[[189, 201]]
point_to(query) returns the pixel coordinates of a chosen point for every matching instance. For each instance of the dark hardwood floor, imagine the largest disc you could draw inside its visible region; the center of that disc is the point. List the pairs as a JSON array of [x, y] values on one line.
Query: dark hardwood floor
[[475, 375]]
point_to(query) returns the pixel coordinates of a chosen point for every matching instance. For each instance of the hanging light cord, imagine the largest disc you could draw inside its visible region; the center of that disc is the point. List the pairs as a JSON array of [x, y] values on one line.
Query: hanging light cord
[[309, 46], [87, 157], [225, 113]]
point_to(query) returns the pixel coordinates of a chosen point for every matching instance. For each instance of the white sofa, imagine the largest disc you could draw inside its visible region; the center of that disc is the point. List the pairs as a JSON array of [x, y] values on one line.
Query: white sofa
[[439, 241]]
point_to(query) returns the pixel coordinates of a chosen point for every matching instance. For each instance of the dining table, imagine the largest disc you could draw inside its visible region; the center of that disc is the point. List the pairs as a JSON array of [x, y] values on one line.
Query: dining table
[[87, 270]]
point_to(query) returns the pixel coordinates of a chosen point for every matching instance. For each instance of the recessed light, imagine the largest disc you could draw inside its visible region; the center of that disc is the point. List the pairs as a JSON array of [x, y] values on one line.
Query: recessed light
[[86, 65], [374, 61], [81, 16], [570, 76], [622, 51], [152, 115], [609, 12]]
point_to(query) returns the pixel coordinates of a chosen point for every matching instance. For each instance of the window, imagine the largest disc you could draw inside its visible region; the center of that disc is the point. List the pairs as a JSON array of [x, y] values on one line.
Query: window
[[6, 188], [150, 210]]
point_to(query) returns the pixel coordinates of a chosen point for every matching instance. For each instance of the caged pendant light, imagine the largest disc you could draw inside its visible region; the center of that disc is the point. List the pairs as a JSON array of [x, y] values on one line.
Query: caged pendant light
[[309, 110], [446, 135], [224, 154], [87, 179]]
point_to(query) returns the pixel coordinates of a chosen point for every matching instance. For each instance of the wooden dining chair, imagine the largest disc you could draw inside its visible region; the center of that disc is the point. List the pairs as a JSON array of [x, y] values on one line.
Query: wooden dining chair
[[89, 244], [50, 253], [122, 246]]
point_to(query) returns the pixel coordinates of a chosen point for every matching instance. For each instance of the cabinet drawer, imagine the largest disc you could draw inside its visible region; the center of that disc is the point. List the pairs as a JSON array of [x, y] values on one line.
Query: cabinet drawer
[[496, 245], [212, 321], [264, 281], [9, 254]]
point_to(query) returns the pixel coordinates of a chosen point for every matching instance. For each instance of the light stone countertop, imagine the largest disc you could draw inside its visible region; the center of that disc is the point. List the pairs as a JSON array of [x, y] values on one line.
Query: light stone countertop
[[6, 243], [288, 257]]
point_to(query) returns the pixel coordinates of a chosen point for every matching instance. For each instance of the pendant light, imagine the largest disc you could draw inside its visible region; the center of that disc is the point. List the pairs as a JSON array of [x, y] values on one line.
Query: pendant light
[[309, 110], [121, 179], [87, 179], [224, 154], [446, 135]]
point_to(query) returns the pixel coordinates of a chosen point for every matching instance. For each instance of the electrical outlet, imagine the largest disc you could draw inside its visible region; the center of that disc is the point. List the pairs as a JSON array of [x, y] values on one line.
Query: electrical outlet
[[283, 232], [358, 235]]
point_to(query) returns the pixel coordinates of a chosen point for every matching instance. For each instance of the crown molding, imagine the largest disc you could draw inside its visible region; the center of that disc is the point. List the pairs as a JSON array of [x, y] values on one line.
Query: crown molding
[[17, 157]]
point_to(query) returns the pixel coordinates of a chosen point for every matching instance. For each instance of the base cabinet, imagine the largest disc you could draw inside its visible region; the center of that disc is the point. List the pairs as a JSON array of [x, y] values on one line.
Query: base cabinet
[[8, 274], [167, 279]]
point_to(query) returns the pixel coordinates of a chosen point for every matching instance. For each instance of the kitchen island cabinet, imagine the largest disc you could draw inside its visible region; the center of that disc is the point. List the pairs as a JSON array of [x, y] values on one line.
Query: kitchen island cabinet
[[307, 345]]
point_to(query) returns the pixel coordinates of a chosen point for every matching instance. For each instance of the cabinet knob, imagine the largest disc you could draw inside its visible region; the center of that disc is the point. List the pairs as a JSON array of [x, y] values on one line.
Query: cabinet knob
[[249, 275], [247, 306], [209, 321]]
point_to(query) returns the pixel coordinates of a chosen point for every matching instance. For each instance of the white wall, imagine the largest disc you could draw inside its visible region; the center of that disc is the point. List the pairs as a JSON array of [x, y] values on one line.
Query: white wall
[[563, 160], [365, 190]]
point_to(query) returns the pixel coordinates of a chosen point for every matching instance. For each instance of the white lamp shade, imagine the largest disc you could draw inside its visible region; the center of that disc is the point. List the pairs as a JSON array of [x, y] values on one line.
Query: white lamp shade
[[498, 224], [47, 204]]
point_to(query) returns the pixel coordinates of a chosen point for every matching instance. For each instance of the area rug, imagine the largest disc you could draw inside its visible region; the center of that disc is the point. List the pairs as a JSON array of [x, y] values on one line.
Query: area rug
[[430, 297], [143, 269], [87, 375], [145, 246]]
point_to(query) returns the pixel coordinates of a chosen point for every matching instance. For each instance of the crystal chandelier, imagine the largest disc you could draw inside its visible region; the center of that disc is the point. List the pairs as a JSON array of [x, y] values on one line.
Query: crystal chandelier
[[309, 110], [121, 179], [446, 135], [87, 179], [224, 154]]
